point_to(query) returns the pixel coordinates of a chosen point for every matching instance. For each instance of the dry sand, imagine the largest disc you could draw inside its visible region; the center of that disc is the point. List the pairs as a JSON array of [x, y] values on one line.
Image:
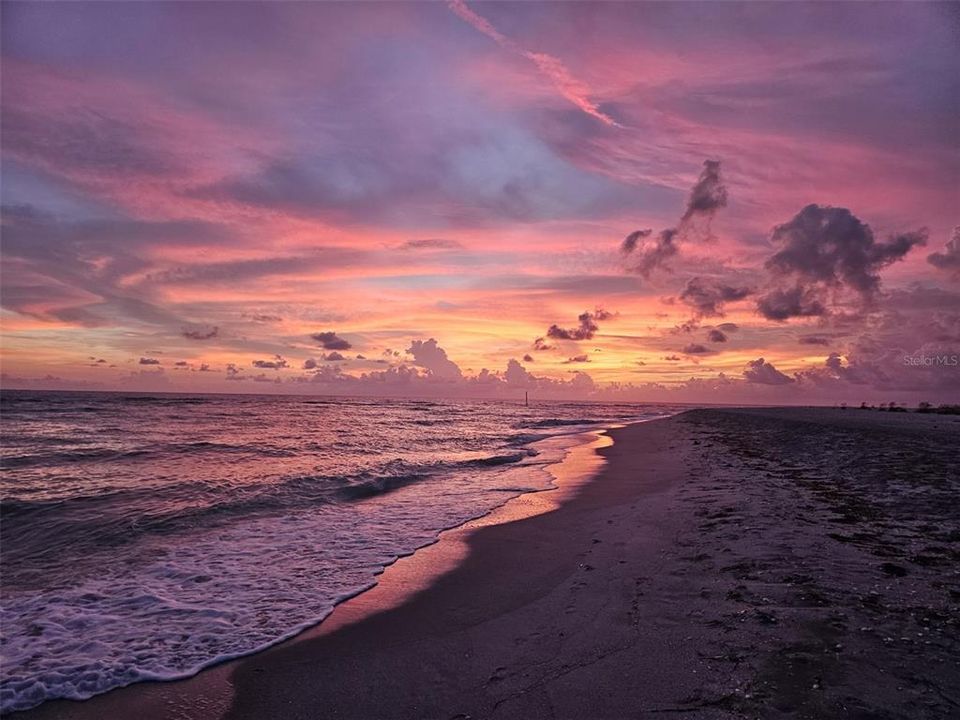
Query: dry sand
[[795, 563]]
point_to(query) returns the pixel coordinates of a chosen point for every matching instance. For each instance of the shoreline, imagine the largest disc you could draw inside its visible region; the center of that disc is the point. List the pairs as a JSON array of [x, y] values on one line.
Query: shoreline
[[723, 563], [208, 690]]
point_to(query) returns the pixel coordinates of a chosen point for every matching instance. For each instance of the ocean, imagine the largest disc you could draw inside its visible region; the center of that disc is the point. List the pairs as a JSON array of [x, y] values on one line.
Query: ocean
[[145, 537]]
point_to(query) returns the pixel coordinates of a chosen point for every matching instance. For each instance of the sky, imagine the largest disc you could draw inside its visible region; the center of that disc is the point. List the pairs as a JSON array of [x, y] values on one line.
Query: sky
[[716, 202]]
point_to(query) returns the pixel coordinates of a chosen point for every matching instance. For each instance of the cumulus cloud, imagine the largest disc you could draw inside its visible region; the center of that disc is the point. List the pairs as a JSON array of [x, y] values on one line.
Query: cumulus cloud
[[707, 297], [528, 358], [716, 335], [333, 356], [430, 356], [331, 341], [275, 364], [149, 361], [779, 304], [831, 372], [309, 364], [200, 332], [540, 344], [949, 259], [584, 331], [827, 250], [907, 348], [764, 373], [517, 376]]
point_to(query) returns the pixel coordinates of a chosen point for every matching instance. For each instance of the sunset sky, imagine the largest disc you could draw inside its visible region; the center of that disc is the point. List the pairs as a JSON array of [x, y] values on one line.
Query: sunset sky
[[674, 201]]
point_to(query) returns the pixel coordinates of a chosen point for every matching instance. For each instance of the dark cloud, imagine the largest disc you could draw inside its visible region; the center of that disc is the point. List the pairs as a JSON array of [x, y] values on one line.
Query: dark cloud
[[261, 318], [696, 349], [907, 347], [813, 340], [528, 358], [835, 373], [331, 341], [629, 243], [333, 357], [577, 359], [361, 357], [716, 336], [764, 373], [672, 358], [149, 361], [181, 363], [949, 259], [687, 326], [708, 195], [793, 302], [825, 250], [276, 364], [584, 331], [539, 344], [200, 332], [655, 254], [309, 364], [707, 297]]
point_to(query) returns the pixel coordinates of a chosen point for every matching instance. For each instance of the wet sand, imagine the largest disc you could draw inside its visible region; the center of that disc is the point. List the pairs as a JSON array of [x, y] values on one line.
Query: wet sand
[[795, 563]]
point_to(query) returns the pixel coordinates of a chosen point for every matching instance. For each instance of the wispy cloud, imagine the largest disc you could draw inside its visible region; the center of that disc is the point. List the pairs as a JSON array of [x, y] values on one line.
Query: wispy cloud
[[575, 91]]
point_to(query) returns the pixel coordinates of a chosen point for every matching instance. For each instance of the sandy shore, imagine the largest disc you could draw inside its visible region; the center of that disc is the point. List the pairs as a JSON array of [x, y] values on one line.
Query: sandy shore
[[798, 563]]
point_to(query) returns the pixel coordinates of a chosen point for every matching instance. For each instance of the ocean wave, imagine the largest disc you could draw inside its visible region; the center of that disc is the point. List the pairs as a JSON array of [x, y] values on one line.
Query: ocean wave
[[557, 422], [71, 456], [34, 529], [66, 457]]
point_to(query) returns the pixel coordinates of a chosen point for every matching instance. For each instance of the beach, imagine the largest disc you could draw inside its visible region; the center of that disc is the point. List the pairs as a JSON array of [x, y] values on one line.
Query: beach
[[800, 563]]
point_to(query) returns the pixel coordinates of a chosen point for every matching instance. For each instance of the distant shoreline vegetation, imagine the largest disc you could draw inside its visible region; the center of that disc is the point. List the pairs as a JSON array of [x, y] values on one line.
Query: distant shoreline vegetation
[[923, 407]]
